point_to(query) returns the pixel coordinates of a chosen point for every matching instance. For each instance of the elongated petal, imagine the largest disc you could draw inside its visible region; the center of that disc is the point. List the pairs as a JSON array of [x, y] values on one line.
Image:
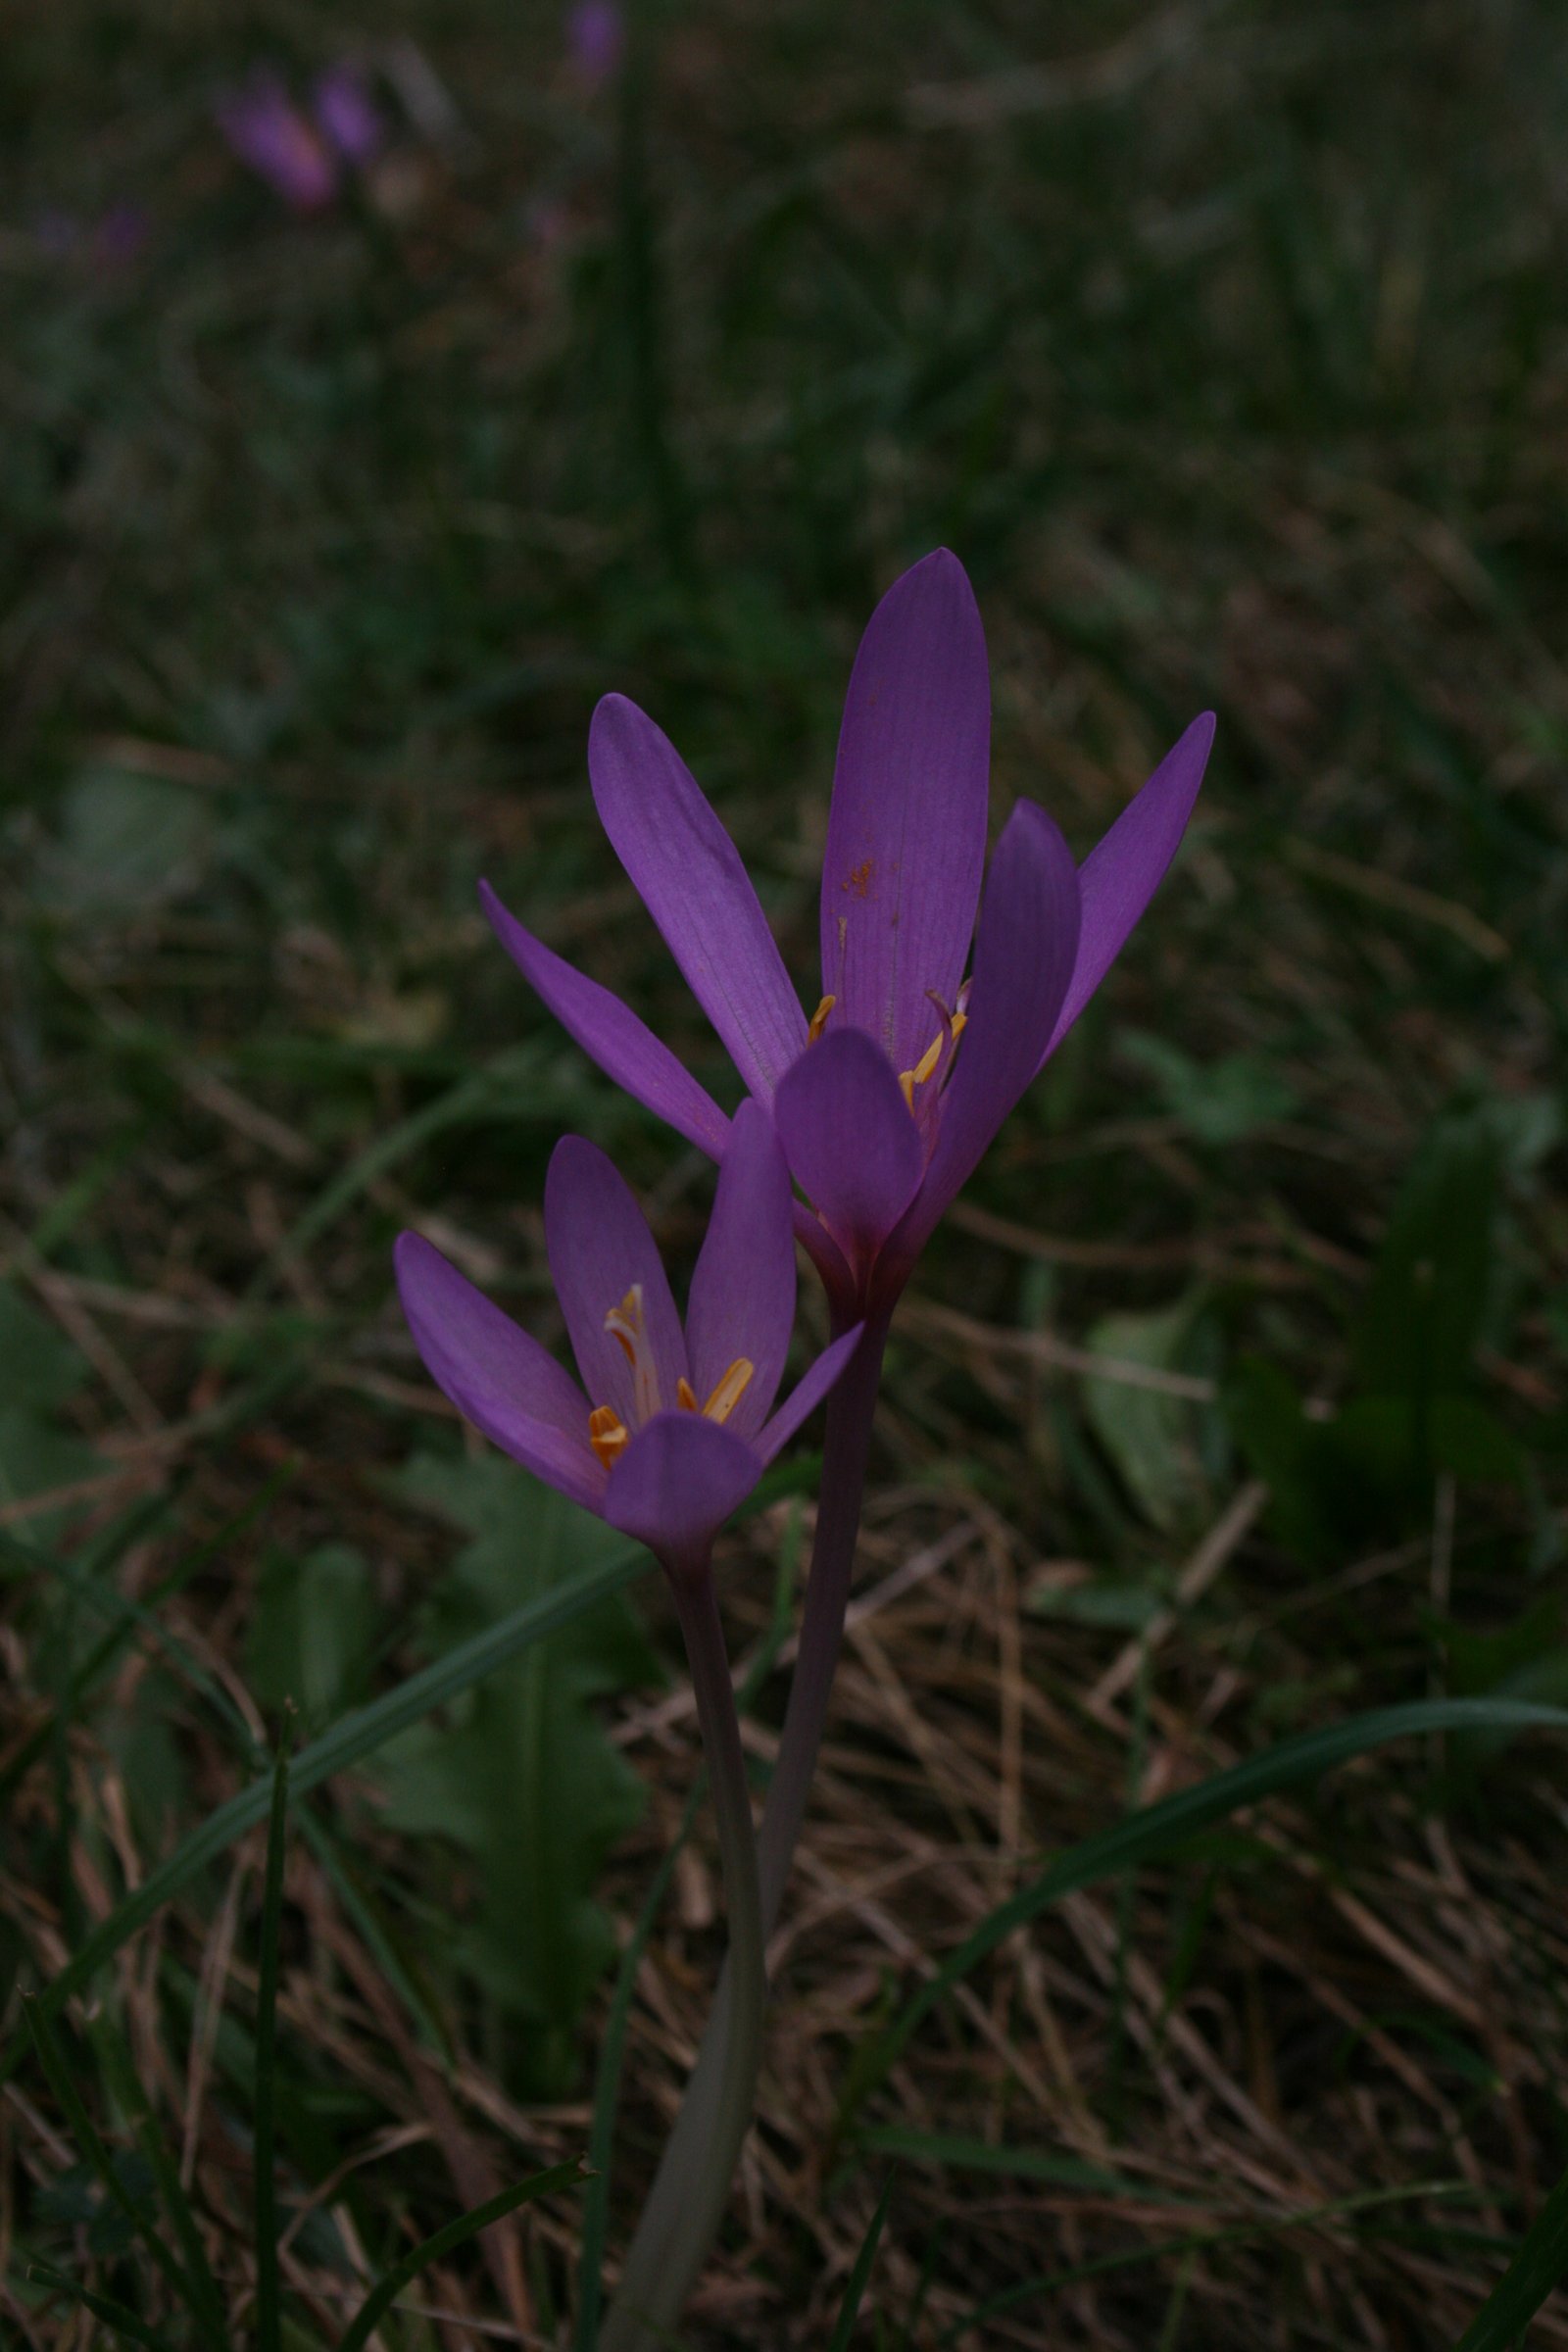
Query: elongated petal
[[848, 1138], [612, 1034], [1023, 962], [497, 1376], [696, 888], [907, 836], [600, 1246], [1122, 873], [742, 1290], [808, 1393], [677, 1483]]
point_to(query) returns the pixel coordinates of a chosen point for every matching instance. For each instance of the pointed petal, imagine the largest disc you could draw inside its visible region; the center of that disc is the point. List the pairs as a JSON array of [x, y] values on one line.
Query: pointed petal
[[742, 1290], [848, 1136], [677, 1483], [1122, 873], [1023, 962], [808, 1393], [599, 1245], [607, 1030], [907, 836], [696, 888], [497, 1376]]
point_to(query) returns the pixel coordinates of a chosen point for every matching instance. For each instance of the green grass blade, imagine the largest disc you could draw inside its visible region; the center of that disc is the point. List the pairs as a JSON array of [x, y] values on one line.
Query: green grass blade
[[121, 2076], [1146, 1836], [52, 2059], [358, 1735], [268, 2331], [1540, 2264], [103, 2307], [854, 2293], [430, 2249]]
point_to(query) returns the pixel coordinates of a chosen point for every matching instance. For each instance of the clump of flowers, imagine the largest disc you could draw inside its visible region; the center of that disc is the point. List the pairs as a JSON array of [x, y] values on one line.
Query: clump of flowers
[[303, 152], [936, 1010]]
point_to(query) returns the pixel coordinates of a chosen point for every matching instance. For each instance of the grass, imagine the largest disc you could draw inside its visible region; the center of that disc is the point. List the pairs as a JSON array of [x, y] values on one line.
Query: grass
[[1226, 347]]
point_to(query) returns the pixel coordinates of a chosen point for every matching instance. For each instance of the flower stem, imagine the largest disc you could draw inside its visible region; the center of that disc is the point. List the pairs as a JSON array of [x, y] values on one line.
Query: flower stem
[[692, 2148], [665, 2259]]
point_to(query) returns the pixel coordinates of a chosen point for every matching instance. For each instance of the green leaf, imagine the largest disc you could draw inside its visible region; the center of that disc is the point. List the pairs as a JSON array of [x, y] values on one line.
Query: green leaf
[[1417, 1332], [444, 2241], [527, 1781], [265, 2103], [1152, 1436], [346, 1744], [126, 840], [39, 1368], [37, 1458], [860, 2278], [1155, 1831], [1540, 2264], [1218, 1102], [313, 1633]]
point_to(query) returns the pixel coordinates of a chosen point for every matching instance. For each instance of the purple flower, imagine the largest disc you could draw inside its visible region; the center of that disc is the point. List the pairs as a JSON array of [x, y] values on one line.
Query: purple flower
[[671, 1429], [267, 130], [342, 105], [881, 1110], [596, 37]]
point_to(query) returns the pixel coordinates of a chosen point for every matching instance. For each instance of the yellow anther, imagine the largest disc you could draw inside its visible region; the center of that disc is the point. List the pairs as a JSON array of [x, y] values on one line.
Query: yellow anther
[[607, 1434], [819, 1020], [624, 1324], [728, 1391], [726, 1395], [952, 1028]]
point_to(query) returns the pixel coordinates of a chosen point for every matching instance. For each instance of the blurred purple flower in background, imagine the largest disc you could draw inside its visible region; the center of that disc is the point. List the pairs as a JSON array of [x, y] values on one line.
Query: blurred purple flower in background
[[267, 132], [676, 1426], [111, 242], [342, 104], [596, 39]]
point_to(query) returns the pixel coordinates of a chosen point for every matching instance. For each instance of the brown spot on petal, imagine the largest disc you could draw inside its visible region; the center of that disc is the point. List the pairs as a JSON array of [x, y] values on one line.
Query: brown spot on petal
[[859, 880]]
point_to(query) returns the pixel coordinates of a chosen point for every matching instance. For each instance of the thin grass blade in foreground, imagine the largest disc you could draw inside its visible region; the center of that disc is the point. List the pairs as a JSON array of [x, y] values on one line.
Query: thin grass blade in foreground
[[1147, 1835], [268, 2310], [358, 1735], [859, 2277], [456, 2234], [103, 2307], [1540, 2264]]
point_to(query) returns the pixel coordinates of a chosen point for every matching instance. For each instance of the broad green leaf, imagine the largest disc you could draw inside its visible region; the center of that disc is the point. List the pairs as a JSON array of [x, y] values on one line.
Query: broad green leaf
[[348, 1742], [126, 840], [525, 1780], [312, 1635], [39, 1367], [1152, 1436], [1218, 1102], [1417, 1331]]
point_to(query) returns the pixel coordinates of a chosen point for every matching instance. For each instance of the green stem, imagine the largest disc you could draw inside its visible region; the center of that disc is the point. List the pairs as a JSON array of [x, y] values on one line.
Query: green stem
[[664, 2261], [846, 1452]]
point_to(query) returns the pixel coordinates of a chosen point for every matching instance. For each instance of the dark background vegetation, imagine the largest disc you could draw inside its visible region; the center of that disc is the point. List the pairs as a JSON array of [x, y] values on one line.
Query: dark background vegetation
[[1226, 345]]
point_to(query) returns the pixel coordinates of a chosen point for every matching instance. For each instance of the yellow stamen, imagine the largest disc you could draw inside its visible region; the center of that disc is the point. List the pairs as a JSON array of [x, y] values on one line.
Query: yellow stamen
[[952, 1028], [624, 1324], [607, 1434], [819, 1020], [907, 1081], [727, 1392]]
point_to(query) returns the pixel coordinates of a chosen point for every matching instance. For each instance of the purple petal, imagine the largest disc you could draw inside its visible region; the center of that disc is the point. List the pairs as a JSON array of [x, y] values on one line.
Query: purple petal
[[345, 110], [677, 1483], [1023, 962], [596, 36], [848, 1138], [696, 888], [497, 1376], [743, 1290], [907, 836], [599, 1245], [1122, 873], [267, 132], [624, 1048], [808, 1393]]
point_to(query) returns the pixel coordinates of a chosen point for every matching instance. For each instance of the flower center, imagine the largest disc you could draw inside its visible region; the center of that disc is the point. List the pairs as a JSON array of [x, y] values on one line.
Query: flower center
[[607, 1434]]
